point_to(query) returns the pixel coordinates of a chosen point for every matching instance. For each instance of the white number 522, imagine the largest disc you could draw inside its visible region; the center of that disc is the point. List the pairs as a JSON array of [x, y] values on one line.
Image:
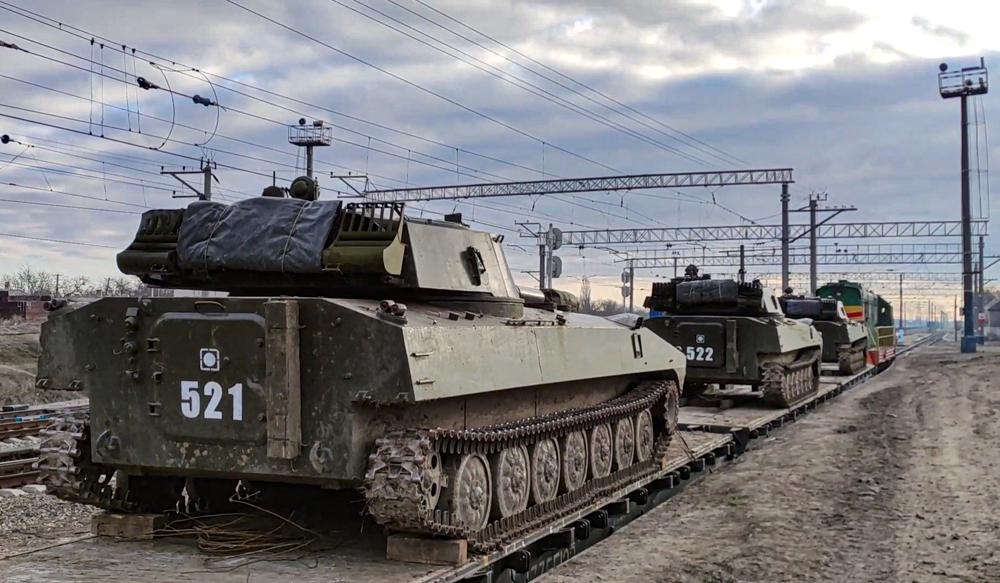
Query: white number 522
[[700, 353], [191, 400]]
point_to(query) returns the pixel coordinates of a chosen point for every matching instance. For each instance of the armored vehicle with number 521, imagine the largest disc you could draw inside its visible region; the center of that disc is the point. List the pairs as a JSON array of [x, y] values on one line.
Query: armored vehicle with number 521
[[735, 333], [357, 350]]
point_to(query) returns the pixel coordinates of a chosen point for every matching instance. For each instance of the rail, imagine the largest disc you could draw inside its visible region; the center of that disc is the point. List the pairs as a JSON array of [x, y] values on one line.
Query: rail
[[20, 421]]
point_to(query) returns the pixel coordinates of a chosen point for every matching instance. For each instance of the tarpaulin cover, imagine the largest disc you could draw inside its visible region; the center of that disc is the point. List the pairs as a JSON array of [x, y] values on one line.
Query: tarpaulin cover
[[821, 309], [707, 291], [804, 308], [284, 235]]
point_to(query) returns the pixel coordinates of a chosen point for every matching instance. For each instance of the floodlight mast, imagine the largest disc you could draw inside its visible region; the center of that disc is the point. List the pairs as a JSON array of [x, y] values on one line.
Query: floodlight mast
[[966, 82], [309, 136]]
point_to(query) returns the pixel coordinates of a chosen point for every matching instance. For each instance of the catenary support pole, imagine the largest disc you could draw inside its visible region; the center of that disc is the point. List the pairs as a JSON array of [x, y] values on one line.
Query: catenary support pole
[[743, 267], [542, 247], [631, 289], [901, 322], [980, 297], [813, 203], [785, 197]]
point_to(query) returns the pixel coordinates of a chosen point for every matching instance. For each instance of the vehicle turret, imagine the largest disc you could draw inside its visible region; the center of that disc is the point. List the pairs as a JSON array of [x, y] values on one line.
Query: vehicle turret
[[695, 294], [288, 246], [816, 309]]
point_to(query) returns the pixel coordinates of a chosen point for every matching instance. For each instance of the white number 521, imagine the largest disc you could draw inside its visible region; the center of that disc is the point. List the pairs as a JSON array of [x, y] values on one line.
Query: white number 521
[[191, 400]]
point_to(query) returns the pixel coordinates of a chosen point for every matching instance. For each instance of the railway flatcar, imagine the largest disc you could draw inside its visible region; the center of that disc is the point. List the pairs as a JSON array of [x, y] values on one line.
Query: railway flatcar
[[872, 310]]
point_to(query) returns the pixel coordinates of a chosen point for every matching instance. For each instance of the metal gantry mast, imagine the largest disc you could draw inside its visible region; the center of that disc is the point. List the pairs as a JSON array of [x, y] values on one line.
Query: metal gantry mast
[[813, 209]]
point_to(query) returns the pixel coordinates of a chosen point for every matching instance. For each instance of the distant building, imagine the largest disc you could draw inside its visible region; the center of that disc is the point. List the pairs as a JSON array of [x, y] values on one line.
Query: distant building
[[993, 325], [26, 307]]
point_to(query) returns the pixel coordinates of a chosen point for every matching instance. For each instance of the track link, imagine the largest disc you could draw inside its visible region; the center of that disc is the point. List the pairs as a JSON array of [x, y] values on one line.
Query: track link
[[784, 386], [404, 481], [850, 360], [67, 470]]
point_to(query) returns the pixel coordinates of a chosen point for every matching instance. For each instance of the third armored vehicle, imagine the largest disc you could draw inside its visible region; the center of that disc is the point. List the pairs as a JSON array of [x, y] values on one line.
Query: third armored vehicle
[[844, 340], [871, 310], [358, 351], [736, 333]]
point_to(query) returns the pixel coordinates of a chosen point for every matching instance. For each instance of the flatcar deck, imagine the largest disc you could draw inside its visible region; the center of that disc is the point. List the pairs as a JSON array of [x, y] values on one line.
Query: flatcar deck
[[359, 556], [709, 437], [752, 416]]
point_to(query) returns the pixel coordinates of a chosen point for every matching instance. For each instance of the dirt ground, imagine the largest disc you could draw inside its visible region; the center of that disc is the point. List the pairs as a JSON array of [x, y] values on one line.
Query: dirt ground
[[18, 363], [896, 480]]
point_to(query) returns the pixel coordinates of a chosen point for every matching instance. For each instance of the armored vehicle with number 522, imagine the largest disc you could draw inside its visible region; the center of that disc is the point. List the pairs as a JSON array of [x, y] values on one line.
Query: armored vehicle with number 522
[[357, 350], [735, 333]]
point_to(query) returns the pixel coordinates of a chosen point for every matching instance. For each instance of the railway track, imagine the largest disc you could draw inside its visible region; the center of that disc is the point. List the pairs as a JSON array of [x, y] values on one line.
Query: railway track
[[17, 467], [17, 463]]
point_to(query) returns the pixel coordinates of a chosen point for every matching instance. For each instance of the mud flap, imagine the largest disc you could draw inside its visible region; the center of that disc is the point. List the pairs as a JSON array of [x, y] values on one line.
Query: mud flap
[[281, 380]]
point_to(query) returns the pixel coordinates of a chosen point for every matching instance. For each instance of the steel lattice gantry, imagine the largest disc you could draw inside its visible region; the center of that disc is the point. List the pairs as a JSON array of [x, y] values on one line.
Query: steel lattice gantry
[[593, 184], [887, 277], [873, 230], [822, 251], [802, 259]]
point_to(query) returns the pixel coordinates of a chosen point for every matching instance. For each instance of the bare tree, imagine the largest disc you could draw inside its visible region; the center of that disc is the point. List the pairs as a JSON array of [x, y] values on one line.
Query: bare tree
[[27, 281], [32, 282], [76, 286], [605, 307]]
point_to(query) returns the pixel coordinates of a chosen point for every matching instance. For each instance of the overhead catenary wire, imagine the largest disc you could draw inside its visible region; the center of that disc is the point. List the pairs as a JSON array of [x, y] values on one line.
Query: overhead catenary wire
[[72, 194], [468, 171], [68, 206], [59, 241], [85, 35], [550, 79], [410, 152], [422, 88], [586, 86], [220, 136], [463, 150], [150, 184], [516, 81], [162, 69], [493, 225], [574, 203]]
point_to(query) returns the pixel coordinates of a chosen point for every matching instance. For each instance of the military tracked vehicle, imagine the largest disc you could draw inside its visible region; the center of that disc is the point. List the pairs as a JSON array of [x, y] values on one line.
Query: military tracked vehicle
[[735, 333], [357, 349], [844, 340], [870, 310]]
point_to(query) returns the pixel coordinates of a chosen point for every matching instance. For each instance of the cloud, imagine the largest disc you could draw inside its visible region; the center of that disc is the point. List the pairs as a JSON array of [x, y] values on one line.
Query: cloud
[[925, 25], [827, 89]]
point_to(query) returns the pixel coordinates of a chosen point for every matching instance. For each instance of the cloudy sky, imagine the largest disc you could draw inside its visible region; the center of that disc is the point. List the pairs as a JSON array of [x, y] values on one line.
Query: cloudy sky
[[423, 92]]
